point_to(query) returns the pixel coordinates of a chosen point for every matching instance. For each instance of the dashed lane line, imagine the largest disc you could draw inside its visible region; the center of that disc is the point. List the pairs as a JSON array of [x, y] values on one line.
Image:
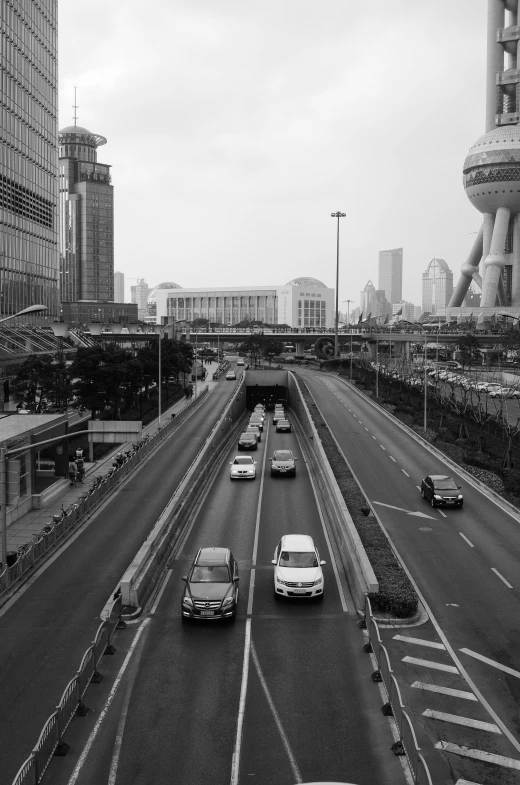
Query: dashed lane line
[[442, 513], [403, 471], [438, 666], [420, 642], [392, 459], [493, 663], [420, 685], [488, 757], [493, 569], [468, 541], [383, 448], [466, 721]]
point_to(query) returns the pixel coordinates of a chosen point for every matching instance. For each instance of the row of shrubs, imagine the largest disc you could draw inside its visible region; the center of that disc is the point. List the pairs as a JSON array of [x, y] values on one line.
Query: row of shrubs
[[396, 595]]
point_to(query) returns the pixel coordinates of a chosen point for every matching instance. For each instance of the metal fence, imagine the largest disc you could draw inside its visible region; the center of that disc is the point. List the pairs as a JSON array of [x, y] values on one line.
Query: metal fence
[[50, 741], [37, 549], [407, 737]]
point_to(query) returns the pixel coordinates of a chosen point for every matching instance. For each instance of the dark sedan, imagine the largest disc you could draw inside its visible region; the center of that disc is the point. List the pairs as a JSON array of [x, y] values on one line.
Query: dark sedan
[[441, 491], [211, 590]]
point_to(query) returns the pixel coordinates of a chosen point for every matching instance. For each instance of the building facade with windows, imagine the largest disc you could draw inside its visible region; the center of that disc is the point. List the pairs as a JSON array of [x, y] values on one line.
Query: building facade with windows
[[391, 274], [303, 302], [139, 294], [119, 287], [86, 218], [437, 286], [29, 254]]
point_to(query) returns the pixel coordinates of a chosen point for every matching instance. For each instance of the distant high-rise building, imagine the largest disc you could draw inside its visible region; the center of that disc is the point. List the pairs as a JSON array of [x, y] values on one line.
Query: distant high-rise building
[[86, 218], [437, 286], [119, 287], [373, 301], [139, 295], [29, 258], [404, 310], [391, 274]]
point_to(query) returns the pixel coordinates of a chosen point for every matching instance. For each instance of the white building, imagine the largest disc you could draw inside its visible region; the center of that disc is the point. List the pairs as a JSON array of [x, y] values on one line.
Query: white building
[[303, 302], [407, 311]]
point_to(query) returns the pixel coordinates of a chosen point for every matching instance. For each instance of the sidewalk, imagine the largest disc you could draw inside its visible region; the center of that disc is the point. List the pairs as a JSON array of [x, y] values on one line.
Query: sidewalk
[[31, 524]]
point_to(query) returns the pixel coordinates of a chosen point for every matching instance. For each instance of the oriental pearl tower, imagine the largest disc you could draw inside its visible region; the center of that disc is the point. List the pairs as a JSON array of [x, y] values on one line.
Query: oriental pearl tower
[[491, 173]]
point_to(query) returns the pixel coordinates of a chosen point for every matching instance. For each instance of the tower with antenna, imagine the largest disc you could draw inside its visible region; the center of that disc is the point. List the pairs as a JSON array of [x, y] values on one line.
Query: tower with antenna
[[87, 216]]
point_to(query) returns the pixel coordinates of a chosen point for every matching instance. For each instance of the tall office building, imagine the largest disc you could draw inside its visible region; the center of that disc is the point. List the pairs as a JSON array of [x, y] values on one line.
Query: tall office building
[[373, 302], [119, 287], [28, 156], [437, 286], [491, 172], [86, 218], [139, 294], [391, 274]]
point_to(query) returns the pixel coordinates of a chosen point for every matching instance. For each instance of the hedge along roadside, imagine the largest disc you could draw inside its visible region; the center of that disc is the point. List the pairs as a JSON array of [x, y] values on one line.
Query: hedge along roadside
[[142, 574], [396, 594], [360, 575], [15, 576]]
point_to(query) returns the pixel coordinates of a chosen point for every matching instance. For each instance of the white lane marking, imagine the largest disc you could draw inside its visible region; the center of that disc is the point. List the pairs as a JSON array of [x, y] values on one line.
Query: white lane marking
[[420, 642], [383, 448], [417, 486], [235, 763], [104, 710], [438, 666], [160, 594], [442, 513], [392, 459], [403, 471], [294, 766], [257, 530], [467, 721], [329, 546], [493, 569], [366, 429], [420, 685], [373, 437], [468, 541], [488, 757], [466, 782], [491, 662]]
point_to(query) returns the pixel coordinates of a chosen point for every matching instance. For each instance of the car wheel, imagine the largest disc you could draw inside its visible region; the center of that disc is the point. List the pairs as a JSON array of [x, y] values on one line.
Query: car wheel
[[432, 502], [423, 493]]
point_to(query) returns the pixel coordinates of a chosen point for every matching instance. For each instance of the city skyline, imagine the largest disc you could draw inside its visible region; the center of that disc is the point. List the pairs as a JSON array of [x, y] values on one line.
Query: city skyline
[[245, 165]]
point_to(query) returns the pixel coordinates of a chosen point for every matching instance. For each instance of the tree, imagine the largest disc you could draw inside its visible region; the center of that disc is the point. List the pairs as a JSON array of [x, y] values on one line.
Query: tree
[[469, 348], [252, 348], [271, 348], [36, 380], [100, 376]]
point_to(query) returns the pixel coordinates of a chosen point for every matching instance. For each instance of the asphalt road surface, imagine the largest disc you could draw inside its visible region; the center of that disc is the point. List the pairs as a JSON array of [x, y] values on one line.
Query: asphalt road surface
[[465, 563], [282, 695], [48, 628]]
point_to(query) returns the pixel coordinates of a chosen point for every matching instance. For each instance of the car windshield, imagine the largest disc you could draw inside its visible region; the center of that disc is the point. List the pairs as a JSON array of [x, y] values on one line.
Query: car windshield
[[445, 485], [247, 437], [210, 574], [283, 455], [298, 559], [245, 459]]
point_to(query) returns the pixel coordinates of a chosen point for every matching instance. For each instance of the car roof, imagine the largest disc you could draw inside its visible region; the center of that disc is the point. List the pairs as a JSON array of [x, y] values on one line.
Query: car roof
[[297, 542], [440, 477], [283, 449], [246, 433], [213, 556]]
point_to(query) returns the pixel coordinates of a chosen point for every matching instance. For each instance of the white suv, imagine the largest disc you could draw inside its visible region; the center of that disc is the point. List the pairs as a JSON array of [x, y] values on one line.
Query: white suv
[[297, 568]]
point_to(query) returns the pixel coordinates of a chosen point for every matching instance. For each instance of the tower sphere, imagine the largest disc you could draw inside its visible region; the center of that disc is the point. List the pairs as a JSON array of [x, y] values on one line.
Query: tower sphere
[[491, 173]]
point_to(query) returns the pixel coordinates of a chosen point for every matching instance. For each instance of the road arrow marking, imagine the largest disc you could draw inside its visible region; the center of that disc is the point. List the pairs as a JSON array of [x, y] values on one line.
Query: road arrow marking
[[408, 512]]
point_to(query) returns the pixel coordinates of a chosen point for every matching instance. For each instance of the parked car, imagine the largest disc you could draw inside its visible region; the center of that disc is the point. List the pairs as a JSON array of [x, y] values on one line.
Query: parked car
[[211, 590], [283, 426], [231, 375], [247, 441], [297, 568], [243, 467], [488, 386], [504, 392], [252, 428], [442, 491], [283, 462]]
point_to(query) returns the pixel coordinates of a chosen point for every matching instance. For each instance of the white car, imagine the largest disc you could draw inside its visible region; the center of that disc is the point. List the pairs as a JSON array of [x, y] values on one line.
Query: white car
[[297, 568], [279, 414], [504, 392], [243, 467], [256, 430], [260, 408], [241, 362], [491, 386], [230, 375]]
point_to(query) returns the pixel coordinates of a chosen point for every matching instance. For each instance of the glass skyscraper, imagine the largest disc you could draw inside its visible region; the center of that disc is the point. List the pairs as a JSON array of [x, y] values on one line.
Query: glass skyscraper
[[391, 274], [29, 251]]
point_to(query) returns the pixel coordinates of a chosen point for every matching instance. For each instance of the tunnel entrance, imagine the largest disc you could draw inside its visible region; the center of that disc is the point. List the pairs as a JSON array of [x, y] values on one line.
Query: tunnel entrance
[[267, 387]]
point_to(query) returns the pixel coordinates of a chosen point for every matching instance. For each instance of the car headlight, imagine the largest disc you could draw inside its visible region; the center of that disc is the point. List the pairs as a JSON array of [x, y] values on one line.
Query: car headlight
[[279, 580], [317, 583], [436, 496], [459, 496], [187, 601], [228, 601]]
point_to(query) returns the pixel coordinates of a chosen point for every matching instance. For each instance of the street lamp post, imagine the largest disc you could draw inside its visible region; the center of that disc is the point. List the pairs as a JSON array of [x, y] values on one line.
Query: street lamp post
[[337, 215]]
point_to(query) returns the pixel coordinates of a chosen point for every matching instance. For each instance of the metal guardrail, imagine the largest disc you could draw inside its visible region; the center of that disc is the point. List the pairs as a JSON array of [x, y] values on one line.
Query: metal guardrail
[[41, 545], [71, 704], [407, 737]]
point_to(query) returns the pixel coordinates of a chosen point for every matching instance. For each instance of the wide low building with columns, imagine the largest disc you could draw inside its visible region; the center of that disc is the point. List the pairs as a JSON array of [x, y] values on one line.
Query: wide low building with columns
[[303, 302]]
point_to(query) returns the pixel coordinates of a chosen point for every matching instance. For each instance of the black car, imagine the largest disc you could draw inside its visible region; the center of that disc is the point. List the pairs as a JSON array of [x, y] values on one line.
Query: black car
[[211, 590], [442, 491], [283, 462], [248, 441]]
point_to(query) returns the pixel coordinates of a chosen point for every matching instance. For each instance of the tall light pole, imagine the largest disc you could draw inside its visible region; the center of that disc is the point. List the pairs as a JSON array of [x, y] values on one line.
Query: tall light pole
[[337, 215]]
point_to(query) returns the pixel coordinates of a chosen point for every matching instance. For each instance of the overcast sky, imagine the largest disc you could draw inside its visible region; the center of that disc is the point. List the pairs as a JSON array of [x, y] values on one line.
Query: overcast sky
[[235, 128]]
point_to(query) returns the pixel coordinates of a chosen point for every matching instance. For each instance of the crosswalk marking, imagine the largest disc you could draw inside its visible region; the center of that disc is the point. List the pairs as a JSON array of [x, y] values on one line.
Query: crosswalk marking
[[420, 641], [467, 721], [445, 690], [488, 757], [428, 664]]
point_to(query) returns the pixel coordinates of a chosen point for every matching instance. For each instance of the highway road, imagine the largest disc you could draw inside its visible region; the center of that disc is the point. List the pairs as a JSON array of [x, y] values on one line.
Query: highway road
[[465, 563], [283, 695], [48, 627]]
